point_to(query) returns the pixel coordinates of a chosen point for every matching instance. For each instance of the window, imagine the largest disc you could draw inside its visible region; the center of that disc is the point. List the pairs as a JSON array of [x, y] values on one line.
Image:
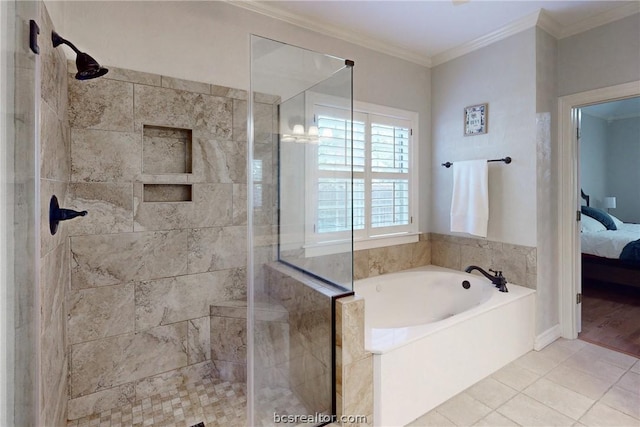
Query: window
[[382, 194]]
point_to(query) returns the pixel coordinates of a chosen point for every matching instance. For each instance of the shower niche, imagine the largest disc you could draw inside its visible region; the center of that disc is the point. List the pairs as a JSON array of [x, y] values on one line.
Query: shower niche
[[167, 151]]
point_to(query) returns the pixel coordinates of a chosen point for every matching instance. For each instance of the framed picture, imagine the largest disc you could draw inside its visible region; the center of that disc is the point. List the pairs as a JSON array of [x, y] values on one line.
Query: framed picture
[[476, 119]]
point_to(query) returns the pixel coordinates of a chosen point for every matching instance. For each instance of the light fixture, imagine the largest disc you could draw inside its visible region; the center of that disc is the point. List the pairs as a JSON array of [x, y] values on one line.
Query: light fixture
[[610, 203], [299, 135]]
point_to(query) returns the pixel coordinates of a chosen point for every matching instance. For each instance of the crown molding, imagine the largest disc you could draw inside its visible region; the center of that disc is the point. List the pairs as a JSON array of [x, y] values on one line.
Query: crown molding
[[332, 31], [540, 18], [600, 19], [515, 27]]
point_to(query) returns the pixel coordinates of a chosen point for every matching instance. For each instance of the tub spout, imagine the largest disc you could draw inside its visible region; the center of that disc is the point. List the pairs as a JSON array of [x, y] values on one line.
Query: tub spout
[[497, 279]]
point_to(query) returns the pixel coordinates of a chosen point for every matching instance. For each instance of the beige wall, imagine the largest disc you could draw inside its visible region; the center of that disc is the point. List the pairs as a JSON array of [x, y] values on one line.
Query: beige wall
[[604, 56], [502, 75]]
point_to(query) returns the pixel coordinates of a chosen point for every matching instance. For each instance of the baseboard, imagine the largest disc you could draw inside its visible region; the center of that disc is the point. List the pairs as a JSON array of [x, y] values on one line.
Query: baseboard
[[547, 337]]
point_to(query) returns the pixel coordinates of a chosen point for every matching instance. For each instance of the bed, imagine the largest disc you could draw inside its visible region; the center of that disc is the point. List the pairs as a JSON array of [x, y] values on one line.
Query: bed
[[602, 249]]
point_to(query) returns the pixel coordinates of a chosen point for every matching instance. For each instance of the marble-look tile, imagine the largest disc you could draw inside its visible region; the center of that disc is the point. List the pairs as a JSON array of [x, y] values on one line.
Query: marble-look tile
[[109, 207], [560, 398], [236, 309], [198, 340], [235, 371], [264, 115], [630, 382], [603, 415], [272, 343], [350, 328], [445, 254], [625, 401], [111, 259], [216, 248], [584, 361], [474, 255], [421, 253], [228, 92], [186, 85], [101, 401], [491, 392], [54, 360], [529, 412], [357, 387], [494, 419], [100, 312], [101, 104], [54, 145], [239, 210], [228, 339], [537, 362], [53, 71], [515, 376], [361, 264], [166, 150], [155, 384], [176, 108], [105, 156], [54, 282], [389, 259], [219, 161], [266, 98], [132, 76], [432, 419], [240, 120], [463, 409], [109, 362], [512, 262], [532, 261], [175, 299], [211, 206], [579, 382]]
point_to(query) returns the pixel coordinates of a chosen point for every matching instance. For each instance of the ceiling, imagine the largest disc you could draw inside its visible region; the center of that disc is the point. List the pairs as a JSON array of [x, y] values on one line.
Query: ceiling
[[425, 31], [615, 110]]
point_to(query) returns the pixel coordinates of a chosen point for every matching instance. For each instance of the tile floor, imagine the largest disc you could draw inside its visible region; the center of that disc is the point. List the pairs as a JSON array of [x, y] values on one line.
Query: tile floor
[[216, 403], [568, 383]]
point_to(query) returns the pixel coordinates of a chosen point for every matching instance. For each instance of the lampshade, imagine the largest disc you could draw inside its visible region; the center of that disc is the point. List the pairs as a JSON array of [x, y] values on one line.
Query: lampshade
[[610, 202], [298, 130]]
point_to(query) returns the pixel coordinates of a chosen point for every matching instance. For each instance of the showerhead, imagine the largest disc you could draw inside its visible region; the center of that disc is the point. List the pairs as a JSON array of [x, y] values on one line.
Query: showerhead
[[88, 68]]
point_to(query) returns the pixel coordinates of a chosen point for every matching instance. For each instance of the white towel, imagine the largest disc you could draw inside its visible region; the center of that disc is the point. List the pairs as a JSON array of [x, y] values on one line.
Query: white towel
[[470, 200]]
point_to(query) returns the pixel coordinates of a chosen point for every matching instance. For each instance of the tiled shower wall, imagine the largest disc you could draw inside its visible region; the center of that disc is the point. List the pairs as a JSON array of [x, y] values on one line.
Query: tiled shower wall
[[144, 273], [54, 249]]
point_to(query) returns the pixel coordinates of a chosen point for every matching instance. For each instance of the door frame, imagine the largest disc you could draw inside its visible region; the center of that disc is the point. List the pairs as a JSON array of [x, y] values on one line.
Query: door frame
[[569, 261]]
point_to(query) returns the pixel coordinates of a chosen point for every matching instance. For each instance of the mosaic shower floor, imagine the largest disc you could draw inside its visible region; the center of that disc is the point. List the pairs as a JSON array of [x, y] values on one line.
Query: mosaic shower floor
[[212, 402]]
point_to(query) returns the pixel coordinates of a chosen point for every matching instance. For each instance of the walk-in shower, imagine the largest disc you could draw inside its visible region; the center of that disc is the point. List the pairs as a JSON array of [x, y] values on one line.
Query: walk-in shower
[[300, 228]]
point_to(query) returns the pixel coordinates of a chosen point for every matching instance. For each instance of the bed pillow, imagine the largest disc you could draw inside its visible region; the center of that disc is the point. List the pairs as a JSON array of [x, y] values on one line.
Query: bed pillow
[[590, 225], [599, 215], [616, 221]]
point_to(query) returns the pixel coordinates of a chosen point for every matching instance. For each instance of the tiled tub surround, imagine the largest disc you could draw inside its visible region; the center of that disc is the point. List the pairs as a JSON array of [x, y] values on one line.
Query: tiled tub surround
[[306, 366], [518, 263], [54, 250], [144, 274]]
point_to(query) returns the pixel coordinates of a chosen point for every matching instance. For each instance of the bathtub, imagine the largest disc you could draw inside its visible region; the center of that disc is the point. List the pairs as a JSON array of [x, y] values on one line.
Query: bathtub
[[431, 338]]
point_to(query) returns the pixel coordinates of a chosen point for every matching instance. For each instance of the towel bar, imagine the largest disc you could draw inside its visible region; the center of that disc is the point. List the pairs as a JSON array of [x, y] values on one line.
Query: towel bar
[[507, 160]]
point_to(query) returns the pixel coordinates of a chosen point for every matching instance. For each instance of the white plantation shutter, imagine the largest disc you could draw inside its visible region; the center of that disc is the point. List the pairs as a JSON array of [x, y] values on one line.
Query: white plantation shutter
[[380, 194]]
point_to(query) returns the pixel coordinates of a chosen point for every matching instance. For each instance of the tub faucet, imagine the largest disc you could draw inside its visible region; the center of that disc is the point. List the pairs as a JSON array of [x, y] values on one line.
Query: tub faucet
[[497, 279]]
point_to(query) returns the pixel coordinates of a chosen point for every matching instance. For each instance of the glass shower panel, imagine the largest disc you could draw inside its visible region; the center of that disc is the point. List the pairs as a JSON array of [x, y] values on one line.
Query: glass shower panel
[[19, 255], [293, 274], [316, 195]]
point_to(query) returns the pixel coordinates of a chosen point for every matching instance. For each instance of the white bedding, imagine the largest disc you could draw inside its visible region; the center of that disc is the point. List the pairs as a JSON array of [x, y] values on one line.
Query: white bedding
[[609, 243]]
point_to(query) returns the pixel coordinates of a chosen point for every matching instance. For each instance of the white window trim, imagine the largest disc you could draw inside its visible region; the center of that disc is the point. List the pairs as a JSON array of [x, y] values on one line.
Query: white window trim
[[387, 237]]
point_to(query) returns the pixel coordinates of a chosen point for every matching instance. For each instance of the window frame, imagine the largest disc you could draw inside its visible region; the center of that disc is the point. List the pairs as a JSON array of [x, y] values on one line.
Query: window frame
[[316, 244]]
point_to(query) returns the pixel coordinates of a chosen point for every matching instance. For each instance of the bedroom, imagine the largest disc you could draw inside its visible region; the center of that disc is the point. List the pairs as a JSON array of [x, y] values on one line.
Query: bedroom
[[609, 155]]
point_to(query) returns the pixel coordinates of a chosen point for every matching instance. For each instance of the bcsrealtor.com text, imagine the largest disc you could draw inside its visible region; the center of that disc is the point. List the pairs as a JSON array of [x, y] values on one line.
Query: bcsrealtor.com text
[[318, 418]]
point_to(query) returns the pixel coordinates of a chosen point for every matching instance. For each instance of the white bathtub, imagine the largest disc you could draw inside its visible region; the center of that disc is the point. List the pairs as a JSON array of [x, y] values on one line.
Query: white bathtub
[[432, 338]]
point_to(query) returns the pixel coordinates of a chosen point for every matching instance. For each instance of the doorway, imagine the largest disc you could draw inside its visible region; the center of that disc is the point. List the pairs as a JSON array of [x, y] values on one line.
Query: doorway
[[569, 202], [609, 170]]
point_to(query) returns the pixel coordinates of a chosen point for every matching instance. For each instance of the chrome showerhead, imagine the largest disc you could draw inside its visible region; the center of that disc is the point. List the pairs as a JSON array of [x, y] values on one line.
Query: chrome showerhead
[[88, 68]]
